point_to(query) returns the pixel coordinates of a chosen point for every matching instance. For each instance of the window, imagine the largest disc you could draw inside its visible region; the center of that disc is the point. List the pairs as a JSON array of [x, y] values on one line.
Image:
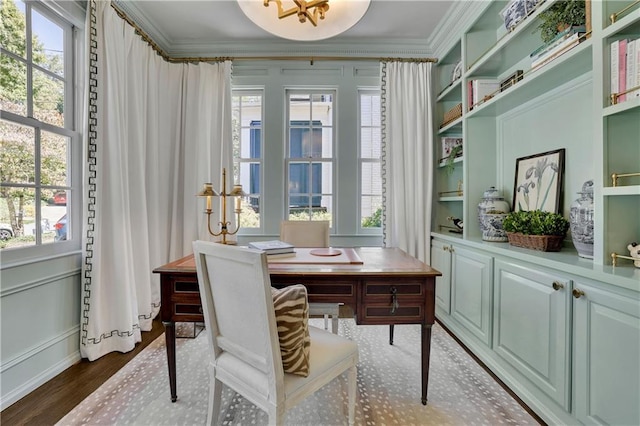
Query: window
[[309, 159], [36, 126], [369, 159], [247, 152]]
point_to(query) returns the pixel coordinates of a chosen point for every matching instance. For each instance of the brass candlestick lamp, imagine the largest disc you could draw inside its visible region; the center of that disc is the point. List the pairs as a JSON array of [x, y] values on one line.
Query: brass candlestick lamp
[[237, 193]]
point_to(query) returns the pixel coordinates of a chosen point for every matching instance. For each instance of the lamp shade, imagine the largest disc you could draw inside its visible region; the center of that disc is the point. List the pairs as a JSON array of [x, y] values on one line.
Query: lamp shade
[[207, 191], [342, 15], [237, 191]]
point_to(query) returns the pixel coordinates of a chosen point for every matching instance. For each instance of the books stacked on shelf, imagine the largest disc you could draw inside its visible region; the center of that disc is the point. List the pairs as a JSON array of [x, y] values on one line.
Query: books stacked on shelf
[[481, 90], [562, 43], [273, 247], [625, 69]]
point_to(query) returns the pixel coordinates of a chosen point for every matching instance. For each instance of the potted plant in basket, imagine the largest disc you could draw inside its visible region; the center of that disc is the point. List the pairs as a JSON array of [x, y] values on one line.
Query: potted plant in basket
[[536, 229]]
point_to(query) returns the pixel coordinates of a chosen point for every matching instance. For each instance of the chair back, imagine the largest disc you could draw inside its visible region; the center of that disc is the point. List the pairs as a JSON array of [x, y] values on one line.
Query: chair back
[[305, 233], [235, 291]]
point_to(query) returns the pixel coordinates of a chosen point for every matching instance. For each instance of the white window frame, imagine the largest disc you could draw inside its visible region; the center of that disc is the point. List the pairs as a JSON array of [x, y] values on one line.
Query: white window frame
[[238, 160], [71, 20], [361, 161], [331, 160]]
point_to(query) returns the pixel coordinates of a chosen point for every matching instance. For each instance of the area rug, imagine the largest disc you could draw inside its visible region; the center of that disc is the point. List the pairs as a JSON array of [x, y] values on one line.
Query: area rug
[[460, 391]]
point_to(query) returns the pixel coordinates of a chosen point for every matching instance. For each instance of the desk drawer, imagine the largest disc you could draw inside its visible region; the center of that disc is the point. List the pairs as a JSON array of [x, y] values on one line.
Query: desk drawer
[[405, 313], [384, 290]]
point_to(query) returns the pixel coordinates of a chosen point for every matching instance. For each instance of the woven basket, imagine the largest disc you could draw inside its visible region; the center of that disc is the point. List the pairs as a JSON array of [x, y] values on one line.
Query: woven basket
[[536, 242], [452, 115]]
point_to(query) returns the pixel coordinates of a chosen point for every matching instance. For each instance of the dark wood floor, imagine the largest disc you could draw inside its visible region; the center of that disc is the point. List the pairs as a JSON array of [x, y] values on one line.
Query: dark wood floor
[[53, 400]]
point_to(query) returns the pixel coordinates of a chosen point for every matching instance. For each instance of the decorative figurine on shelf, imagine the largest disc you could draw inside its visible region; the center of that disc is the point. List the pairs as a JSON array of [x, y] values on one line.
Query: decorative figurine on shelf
[[634, 251], [458, 224], [491, 212], [581, 218]]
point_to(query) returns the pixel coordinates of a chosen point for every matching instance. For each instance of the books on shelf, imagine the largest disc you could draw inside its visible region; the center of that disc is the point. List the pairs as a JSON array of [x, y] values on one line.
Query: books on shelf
[[480, 90], [559, 49], [561, 37], [625, 68], [272, 247]]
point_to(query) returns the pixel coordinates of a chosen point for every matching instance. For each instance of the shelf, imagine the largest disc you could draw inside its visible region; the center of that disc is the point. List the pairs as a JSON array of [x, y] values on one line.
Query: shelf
[[453, 92], [621, 190], [453, 127], [509, 47], [621, 107], [451, 198], [563, 69], [629, 23], [443, 163]]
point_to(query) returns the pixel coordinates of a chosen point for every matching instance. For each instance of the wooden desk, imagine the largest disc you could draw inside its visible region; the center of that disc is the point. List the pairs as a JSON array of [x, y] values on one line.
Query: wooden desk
[[387, 275]]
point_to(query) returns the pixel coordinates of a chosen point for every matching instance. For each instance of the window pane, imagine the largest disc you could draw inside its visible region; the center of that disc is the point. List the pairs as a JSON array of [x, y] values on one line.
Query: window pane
[[14, 33], [48, 98], [371, 211], [369, 110], [299, 107], [47, 43], [54, 159], [370, 143], [250, 181], [17, 153], [13, 90], [371, 183]]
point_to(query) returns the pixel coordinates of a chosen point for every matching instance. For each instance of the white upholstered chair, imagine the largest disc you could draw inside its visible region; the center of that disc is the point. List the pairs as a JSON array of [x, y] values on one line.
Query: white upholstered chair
[[311, 234], [240, 320]]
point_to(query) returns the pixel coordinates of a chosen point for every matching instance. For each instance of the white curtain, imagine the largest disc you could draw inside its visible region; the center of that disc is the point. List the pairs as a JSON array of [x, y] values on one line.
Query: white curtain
[[407, 147], [155, 132]]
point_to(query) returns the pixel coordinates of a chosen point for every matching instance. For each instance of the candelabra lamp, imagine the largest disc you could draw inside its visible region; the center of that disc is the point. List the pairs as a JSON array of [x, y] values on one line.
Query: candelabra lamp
[[237, 193]]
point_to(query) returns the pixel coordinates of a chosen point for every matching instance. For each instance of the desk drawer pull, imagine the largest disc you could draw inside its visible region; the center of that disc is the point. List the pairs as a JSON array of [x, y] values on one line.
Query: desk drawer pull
[[394, 300]]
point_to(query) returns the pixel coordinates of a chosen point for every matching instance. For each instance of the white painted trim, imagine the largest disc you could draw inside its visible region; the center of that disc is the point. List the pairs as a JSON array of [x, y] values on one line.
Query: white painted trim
[[37, 283], [30, 260]]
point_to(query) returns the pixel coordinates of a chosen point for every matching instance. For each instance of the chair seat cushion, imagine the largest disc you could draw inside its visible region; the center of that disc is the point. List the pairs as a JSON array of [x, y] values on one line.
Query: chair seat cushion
[[292, 318]]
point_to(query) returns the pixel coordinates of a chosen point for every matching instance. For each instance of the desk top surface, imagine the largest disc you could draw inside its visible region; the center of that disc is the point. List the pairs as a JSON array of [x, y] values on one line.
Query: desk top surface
[[375, 261]]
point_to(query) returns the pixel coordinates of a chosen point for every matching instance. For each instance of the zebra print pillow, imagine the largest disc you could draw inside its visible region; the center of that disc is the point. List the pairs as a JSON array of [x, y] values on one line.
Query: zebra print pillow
[[292, 317]]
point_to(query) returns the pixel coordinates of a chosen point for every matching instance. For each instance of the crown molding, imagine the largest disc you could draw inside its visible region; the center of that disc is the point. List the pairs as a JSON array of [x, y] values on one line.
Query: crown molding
[[256, 47], [458, 19]]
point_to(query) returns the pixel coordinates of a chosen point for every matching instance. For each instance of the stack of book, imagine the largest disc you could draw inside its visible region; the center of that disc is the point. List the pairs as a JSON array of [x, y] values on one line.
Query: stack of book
[[274, 248], [625, 68], [562, 43], [481, 90]]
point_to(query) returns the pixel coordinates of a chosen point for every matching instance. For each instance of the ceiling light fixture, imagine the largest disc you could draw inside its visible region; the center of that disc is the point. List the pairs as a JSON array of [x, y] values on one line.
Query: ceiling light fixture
[[344, 14]]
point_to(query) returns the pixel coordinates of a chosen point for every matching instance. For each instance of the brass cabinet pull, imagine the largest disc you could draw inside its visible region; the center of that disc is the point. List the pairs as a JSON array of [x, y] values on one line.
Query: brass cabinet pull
[[394, 300], [445, 248], [557, 286], [577, 293]]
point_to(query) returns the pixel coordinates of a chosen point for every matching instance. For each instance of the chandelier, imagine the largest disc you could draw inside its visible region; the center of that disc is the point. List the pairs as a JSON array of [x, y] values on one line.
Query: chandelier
[[303, 9], [343, 15]]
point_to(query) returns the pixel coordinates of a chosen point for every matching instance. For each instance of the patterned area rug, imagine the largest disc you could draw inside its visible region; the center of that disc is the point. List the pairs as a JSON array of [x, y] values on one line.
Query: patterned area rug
[[460, 391]]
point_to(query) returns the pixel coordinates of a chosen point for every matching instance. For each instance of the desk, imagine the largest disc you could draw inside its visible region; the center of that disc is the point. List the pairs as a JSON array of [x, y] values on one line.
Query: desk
[[389, 287]]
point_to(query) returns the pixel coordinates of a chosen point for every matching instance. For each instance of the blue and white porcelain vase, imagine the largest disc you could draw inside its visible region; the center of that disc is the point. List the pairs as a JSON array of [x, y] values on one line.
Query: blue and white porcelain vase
[[491, 212], [581, 220]]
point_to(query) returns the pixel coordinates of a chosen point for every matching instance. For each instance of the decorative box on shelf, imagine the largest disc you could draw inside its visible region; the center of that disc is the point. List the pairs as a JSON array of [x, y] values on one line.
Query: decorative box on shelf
[[452, 115]]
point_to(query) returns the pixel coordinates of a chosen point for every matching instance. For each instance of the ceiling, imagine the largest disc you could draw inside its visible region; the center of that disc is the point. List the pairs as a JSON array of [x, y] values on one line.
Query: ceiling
[[219, 27]]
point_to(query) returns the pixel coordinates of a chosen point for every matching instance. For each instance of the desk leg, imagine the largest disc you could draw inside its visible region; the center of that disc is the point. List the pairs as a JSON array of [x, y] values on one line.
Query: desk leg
[[170, 338], [426, 355]]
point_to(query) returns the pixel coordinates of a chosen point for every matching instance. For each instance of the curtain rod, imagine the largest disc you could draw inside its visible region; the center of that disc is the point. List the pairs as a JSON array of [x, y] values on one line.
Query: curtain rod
[[311, 59]]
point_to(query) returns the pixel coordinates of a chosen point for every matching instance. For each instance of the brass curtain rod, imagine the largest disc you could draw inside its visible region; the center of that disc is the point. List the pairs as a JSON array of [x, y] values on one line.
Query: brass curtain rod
[[311, 59]]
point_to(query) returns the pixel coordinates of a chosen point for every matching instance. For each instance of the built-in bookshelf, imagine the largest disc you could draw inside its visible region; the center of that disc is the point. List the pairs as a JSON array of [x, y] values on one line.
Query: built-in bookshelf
[[489, 51], [548, 324]]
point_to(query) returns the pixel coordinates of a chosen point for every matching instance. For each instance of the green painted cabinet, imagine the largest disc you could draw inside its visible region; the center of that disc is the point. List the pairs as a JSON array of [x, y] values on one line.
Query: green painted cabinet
[[441, 260], [606, 367], [531, 326], [471, 275]]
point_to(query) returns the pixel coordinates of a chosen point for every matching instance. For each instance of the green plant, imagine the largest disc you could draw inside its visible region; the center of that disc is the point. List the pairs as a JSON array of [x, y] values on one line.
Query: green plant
[[448, 164], [373, 221], [536, 222], [559, 15]]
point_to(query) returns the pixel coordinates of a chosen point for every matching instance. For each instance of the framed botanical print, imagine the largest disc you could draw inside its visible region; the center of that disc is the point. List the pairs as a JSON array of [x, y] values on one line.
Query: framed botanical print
[[538, 182]]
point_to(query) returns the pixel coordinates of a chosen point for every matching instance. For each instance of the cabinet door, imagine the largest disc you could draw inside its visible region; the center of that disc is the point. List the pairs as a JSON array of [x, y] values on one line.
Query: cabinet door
[[606, 356], [531, 330], [441, 260], [471, 275]]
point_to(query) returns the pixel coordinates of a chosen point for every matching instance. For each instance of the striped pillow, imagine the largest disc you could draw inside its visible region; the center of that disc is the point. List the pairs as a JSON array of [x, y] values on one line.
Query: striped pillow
[[292, 317]]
